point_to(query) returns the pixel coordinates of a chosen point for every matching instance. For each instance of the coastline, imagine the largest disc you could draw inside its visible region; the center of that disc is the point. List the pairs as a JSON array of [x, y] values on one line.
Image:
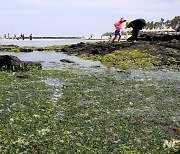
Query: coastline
[[98, 37], [123, 37]]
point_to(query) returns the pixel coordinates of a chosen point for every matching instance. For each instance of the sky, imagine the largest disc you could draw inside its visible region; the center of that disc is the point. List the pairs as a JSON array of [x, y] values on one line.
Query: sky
[[78, 17]]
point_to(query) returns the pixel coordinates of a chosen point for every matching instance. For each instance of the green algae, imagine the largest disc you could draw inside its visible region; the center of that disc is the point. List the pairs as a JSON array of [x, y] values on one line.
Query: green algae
[[9, 48], [125, 59], [14, 48], [96, 113], [57, 48]]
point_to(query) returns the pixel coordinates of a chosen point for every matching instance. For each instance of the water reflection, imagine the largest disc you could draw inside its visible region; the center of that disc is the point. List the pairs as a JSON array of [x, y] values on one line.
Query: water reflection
[[52, 59]]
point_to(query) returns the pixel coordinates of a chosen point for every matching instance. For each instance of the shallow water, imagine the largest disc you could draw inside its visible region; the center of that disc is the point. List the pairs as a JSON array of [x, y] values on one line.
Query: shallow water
[[51, 59], [57, 88], [164, 74]]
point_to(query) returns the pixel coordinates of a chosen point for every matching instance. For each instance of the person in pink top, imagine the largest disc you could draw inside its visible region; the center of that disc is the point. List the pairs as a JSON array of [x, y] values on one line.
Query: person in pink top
[[118, 27]]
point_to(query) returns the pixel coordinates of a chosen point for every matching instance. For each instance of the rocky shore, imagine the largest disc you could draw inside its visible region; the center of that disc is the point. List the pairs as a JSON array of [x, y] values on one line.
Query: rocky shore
[[157, 53], [118, 54]]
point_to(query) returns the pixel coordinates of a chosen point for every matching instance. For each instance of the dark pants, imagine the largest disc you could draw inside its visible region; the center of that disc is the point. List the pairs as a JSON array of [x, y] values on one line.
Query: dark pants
[[135, 33]]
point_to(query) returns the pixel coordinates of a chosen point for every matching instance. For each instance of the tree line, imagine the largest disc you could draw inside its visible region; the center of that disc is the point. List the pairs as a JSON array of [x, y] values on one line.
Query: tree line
[[162, 23]]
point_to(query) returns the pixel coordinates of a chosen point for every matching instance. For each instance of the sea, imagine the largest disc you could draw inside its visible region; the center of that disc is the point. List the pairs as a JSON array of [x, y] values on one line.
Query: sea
[[43, 42]]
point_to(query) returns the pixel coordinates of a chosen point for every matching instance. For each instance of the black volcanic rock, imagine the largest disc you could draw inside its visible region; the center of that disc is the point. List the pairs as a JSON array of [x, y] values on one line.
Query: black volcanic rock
[[9, 62]]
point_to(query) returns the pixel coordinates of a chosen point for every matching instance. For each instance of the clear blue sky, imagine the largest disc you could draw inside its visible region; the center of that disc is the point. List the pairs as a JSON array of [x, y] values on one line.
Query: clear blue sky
[[78, 17]]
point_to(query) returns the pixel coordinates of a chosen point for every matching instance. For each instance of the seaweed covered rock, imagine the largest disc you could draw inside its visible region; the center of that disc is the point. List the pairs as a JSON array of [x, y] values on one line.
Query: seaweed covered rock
[[9, 62], [158, 37], [66, 61], [26, 50], [90, 48]]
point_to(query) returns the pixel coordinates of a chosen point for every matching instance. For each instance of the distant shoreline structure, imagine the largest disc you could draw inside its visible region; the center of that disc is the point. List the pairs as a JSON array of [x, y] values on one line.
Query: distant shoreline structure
[[46, 37], [54, 37]]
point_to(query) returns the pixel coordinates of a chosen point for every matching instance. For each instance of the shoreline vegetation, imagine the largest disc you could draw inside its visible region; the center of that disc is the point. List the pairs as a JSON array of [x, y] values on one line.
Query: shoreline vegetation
[[131, 110]]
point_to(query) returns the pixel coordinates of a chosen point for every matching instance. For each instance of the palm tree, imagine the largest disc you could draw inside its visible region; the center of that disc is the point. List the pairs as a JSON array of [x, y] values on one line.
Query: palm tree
[[162, 22], [167, 23]]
